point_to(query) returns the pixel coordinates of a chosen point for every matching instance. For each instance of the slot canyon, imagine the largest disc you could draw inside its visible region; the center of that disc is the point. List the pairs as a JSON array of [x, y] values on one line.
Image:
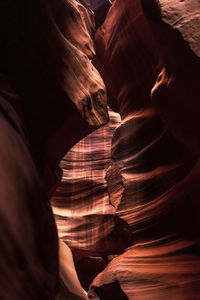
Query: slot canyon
[[99, 155]]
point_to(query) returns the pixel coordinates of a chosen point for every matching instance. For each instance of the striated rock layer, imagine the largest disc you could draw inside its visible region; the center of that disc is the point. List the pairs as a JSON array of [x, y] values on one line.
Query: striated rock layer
[[84, 216], [155, 148]]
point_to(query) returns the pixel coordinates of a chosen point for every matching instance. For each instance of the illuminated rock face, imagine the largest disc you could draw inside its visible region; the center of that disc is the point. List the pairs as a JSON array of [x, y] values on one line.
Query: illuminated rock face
[[155, 148], [182, 16], [88, 90], [81, 204]]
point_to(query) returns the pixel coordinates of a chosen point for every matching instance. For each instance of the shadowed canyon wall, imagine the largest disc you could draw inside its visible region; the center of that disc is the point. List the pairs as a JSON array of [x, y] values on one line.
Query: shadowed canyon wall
[[51, 96]]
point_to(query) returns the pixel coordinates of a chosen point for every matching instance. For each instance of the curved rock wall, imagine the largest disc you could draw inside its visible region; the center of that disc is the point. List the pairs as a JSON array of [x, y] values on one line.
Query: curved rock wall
[[84, 215], [51, 96], [155, 147]]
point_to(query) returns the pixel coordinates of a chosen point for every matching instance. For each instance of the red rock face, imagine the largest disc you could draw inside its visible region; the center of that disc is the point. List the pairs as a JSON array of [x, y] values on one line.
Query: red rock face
[[152, 174], [133, 72], [156, 146]]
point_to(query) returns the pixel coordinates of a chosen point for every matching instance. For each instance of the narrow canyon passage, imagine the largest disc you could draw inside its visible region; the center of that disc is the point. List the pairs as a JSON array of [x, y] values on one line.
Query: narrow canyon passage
[[99, 149], [135, 217]]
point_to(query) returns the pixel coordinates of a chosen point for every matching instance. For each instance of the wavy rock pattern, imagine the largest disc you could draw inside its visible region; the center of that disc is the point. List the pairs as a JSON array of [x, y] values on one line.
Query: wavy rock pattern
[[88, 90], [159, 166], [81, 205]]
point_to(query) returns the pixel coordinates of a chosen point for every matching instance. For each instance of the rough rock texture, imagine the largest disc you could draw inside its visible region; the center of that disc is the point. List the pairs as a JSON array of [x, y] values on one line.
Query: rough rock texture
[[184, 16], [157, 159]]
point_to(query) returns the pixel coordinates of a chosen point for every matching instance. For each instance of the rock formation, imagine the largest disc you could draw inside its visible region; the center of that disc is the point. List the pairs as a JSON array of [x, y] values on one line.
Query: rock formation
[[130, 191], [176, 30], [81, 203], [29, 259], [50, 97], [155, 148]]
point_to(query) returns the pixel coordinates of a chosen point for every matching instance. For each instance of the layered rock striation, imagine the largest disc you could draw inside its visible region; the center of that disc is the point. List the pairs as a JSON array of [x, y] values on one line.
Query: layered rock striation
[[84, 215]]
